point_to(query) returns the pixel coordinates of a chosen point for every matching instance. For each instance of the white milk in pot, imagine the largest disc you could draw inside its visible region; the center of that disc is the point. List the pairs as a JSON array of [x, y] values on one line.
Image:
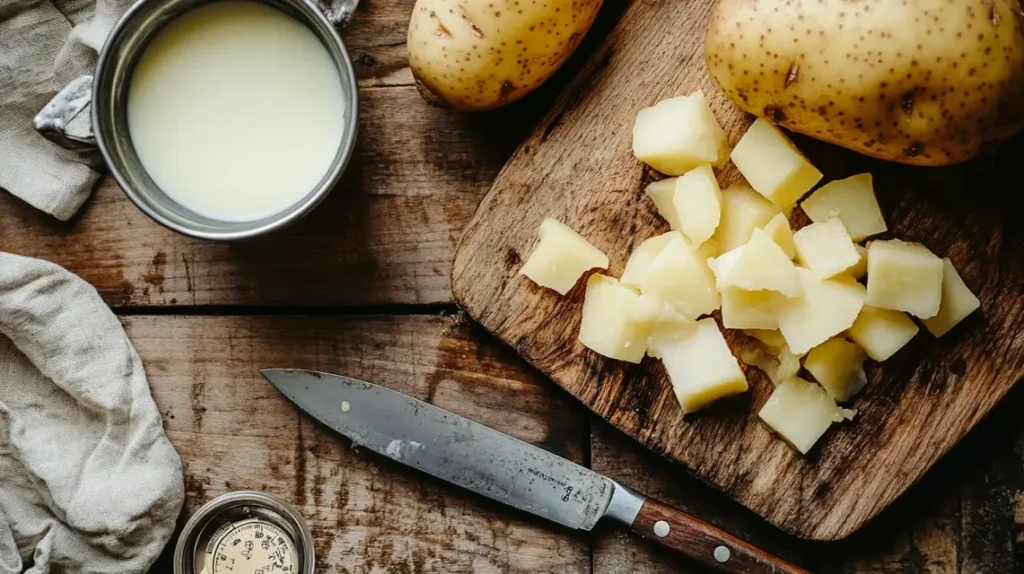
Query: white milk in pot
[[236, 110]]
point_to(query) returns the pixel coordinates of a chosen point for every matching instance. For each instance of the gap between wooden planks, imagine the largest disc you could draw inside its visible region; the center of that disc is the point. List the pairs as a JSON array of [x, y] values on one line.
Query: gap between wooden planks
[[386, 235], [385, 239], [372, 515], [578, 167]]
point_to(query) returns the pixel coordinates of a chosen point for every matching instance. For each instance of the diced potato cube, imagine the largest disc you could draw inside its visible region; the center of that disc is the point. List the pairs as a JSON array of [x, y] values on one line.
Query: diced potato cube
[[838, 365], [708, 249], [789, 365], [678, 134], [782, 234], [698, 203], [662, 193], [800, 412], [882, 332], [828, 307], [957, 302], [761, 266], [742, 309], [770, 337], [772, 164], [701, 366], [778, 364], [608, 326], [853, 201], [722, 265], [761, 358], [860, 270], [743, 211], [561, 257], [904, 277], [640, 260], [826, 248], [659, 319], [678, 275]]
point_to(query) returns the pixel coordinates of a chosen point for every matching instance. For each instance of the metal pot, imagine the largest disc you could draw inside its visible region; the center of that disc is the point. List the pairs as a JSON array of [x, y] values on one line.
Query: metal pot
[[222, 524], [107, 91]]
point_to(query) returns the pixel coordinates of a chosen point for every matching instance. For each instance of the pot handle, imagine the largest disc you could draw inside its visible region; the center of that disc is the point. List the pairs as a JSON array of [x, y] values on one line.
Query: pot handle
[[52, 122], [338, 12]]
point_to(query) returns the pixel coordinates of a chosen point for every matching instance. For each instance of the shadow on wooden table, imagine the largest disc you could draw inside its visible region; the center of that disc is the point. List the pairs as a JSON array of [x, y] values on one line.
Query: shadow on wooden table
[[959, 518], [367, 513], [354, 233]]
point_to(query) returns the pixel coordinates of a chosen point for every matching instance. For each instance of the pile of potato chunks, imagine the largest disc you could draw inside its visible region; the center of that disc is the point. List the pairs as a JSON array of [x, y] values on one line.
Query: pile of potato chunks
[[732, 250]]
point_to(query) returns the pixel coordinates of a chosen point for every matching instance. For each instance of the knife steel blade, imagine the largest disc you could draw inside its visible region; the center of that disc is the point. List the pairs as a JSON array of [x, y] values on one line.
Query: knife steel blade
[[457, 450], [506, 469]]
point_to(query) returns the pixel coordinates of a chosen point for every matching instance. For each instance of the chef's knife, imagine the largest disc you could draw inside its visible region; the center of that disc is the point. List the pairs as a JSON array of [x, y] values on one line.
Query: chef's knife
[[485, 461]]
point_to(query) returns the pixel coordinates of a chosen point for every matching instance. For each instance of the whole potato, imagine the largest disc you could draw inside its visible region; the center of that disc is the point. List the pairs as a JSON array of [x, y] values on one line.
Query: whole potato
[[923, 82], [477, 55]]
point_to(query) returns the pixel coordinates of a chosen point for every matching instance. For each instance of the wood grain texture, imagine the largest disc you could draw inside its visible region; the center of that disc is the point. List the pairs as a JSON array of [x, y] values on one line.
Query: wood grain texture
[[578, 167], [705, 543], [371, 515], [966, 516], [367, 514], [963, 517], [617, 551], [386, 235]]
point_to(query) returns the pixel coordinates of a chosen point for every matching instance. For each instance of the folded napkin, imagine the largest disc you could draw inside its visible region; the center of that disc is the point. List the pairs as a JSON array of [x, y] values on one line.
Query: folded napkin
[[88, 480], [44, 44]]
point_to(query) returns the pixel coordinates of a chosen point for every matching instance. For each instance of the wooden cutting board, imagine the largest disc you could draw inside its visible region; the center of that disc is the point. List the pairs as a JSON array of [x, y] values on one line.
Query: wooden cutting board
[[578, 167]]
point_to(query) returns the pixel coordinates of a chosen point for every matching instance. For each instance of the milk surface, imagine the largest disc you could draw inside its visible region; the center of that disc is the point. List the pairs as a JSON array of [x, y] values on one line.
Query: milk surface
[[236, 110]]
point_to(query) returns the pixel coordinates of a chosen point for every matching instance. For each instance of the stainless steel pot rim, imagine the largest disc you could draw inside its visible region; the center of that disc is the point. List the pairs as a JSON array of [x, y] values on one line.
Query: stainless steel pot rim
[[184, 555], [296, 211]]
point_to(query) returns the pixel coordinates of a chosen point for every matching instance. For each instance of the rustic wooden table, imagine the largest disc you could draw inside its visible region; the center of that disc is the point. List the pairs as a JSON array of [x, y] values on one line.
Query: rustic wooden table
[[362, 288]]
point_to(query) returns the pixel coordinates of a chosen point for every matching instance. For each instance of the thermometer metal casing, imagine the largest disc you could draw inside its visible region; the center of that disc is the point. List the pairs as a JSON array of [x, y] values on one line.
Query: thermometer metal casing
[[245, 532]]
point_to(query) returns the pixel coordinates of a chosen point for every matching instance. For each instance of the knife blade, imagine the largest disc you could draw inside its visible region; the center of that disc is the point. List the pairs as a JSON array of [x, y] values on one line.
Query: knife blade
[[498, 466]]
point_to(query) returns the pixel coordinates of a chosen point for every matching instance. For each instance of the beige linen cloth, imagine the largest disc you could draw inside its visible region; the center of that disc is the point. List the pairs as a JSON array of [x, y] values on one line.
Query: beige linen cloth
[[89, 483], [88, 480], [44, 44]]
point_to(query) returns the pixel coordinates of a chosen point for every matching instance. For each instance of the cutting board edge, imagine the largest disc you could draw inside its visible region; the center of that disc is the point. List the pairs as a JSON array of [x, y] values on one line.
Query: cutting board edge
[[461, 290], [849, 527], [816, 534]]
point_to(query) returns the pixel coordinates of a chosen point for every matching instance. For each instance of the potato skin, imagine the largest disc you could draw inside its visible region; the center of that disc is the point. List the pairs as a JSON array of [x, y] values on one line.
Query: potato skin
[[479, 55], [922, 82]]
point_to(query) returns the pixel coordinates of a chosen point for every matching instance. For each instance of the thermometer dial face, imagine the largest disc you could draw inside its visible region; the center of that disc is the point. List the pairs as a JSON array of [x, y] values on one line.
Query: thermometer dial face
[[251, 547]]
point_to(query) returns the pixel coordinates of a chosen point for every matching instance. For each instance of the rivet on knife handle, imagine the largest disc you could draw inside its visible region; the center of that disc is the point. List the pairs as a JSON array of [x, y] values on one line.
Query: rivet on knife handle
[[506, 469], [709, 545]]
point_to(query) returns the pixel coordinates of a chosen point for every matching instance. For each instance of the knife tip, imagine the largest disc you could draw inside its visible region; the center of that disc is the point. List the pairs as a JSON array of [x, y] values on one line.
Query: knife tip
[[268, 374]]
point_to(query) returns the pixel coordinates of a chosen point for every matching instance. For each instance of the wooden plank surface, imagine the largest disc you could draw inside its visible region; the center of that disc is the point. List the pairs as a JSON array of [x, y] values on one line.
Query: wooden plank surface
[[385, 235], [578, 167], [964, 517], [371, 515], [367, 514], [413, 185]]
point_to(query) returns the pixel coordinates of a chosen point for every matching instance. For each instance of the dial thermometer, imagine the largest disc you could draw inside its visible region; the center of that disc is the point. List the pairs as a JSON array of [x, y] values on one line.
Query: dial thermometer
[[245, 532]]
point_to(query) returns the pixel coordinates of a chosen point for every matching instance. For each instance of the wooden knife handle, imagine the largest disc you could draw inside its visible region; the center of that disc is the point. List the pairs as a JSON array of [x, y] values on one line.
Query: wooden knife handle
[[707, 544]]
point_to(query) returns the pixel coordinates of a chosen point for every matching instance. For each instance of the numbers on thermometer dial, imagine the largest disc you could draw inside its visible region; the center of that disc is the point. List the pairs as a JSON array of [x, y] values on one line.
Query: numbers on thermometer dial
[[252, 547]]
